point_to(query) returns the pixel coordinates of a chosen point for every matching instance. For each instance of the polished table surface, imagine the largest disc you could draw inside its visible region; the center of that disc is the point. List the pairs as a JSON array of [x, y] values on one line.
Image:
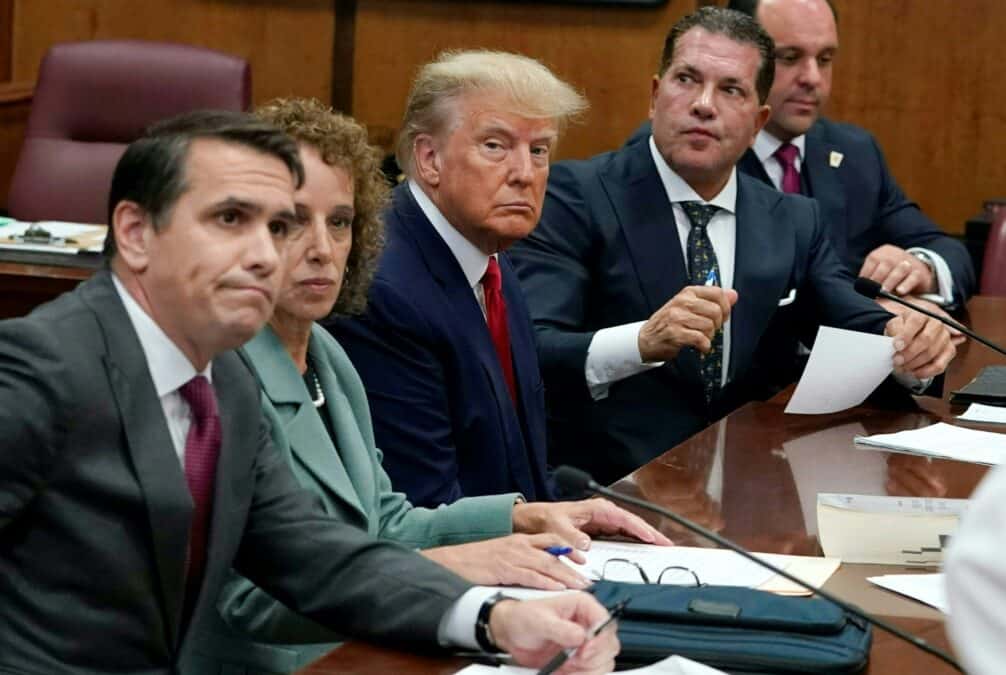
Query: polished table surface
[[754, 477]]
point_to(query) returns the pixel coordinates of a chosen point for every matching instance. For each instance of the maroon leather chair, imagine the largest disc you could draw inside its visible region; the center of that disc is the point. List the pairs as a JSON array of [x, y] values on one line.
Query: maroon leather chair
[[94, 98], [994, 263]]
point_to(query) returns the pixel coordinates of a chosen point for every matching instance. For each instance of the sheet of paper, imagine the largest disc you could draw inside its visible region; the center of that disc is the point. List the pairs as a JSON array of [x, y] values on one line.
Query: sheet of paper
[[986, 414], [672, 665], [887, 530], [713, 566], [843, 369], [944, 441], [85, 237], [926, 588]]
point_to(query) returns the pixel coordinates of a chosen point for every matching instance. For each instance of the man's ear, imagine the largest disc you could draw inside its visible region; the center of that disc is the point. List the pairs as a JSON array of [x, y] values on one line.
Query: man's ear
[[654, 87], [426, 155], [761, 118], [133, 230]]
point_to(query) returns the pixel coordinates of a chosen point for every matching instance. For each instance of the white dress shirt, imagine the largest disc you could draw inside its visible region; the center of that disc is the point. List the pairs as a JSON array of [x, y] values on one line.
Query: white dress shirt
[[613, 353], [472, 260], [764, 148], [170, 369], [976, 579]]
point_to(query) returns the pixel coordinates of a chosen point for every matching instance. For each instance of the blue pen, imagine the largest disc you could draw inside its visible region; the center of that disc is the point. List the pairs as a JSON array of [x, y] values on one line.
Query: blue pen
[[559, 550], [711, 279]]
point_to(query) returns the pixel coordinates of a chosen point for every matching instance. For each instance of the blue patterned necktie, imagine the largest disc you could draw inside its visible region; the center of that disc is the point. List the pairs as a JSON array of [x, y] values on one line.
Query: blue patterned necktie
[[701, 266]]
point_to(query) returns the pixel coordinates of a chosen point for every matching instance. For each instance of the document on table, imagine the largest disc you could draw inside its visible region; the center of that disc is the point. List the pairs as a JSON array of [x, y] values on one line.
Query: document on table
[[928, 589], [986, 414], [672, 665], [713, 566], [944, 441], [887, 530], [72, 237], [843, 369]]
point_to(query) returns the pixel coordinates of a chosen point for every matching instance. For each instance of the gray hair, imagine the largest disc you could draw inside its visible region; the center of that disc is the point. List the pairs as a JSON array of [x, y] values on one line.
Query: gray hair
[[529, 87]]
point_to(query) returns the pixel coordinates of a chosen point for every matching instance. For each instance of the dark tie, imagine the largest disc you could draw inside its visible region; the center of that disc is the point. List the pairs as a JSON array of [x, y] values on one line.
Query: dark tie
[[202, 447], [492, 286], [702, 267], [786, 156]]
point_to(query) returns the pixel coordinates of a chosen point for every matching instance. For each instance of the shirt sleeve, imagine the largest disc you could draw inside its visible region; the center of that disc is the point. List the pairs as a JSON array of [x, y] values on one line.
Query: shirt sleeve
[[944, 278], [457, 626], [613, 355]]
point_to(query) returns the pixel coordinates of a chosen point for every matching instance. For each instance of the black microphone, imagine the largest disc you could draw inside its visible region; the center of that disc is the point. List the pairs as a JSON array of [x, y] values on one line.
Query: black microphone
[[872, 290], [573, 481]]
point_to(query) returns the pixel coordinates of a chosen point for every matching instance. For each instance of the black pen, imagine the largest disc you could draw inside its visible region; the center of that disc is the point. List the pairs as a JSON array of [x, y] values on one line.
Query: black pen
[[564, 654]]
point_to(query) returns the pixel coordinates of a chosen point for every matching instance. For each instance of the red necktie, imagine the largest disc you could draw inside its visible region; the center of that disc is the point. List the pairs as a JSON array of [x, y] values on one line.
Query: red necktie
[[202, 447], [492, 286], [786, 155]]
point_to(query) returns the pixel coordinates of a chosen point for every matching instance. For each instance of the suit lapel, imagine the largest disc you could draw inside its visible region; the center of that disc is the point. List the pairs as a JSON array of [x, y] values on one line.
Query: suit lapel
[[303, 427], [647, 221], [826, 186], [762, 266], [158, 469], [752, 166]]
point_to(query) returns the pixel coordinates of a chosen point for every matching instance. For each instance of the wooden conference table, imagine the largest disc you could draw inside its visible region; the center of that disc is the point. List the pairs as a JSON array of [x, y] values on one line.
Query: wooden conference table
[[754, 477]]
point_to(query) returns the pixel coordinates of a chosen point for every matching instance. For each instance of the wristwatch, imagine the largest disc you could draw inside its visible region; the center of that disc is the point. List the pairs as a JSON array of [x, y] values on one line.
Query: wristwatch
[[482, 633]]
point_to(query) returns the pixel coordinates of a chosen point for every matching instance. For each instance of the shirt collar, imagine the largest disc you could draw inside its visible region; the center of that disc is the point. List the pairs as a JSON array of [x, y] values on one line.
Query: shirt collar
[[169, 367], [473, 262], [680, 191], [766, 144]]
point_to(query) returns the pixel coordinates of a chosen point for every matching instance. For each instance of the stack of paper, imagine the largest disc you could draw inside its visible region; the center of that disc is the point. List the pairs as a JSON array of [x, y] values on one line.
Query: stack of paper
[[887, 530], [945, 441], [672, 665], [926, 588], [68, 238], [985, 414]]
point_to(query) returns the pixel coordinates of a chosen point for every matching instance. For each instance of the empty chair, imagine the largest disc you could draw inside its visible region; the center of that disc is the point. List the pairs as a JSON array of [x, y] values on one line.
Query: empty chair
[[92, 99]]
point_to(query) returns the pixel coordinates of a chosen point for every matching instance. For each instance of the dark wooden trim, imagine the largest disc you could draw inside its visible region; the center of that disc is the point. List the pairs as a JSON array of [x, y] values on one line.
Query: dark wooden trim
[[343, 52], [16, 92], [6, 38]]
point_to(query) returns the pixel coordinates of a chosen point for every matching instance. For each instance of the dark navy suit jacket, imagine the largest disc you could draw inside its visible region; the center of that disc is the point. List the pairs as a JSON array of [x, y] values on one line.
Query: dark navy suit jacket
[[861, 204], [607, 252], [442, 413]]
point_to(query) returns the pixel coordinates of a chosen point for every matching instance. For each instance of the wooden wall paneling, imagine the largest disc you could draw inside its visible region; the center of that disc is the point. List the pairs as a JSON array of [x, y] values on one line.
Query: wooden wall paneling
[[15, 103], [6, 32], [610, 53], [927, 79], [288, 42]]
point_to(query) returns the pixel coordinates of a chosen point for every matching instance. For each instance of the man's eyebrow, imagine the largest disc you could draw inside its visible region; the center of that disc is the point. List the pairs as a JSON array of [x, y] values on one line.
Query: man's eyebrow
[[344, 211], [238, 203]]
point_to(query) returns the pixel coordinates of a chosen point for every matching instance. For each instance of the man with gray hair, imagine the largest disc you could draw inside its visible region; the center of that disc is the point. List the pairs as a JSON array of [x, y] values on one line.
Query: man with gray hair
[[446, 349]]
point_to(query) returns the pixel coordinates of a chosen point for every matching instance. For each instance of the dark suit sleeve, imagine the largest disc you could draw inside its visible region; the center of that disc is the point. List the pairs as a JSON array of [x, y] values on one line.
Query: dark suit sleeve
[[394, 350], [334, 573], [31, 413], [905, 225], [554, 266]]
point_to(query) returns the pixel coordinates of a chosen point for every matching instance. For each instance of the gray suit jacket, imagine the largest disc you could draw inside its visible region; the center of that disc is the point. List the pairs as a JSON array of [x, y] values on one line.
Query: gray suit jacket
[[94, 511], [346, 473]]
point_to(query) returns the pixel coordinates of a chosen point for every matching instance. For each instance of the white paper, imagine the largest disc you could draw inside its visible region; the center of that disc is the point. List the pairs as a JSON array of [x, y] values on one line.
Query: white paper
[[987, 414], [843, 369], [926, 588], [672, 665], [909, 506], [55, 228], [944, 441]]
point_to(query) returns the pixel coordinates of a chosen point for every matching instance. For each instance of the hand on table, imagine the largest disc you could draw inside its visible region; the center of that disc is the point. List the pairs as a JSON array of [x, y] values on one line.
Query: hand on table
[[575, 522], [922, 345], [533, 631], [896, 309], [898, 271], [516, 560]]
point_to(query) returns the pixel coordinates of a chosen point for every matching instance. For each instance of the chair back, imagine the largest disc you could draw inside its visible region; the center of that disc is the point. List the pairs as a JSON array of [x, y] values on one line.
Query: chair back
[[92, 99], [993, 280]]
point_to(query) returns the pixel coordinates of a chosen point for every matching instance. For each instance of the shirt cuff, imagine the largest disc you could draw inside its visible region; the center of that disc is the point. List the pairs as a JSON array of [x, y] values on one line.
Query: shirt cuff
[[457, 626], [944, 279], [613, 355]]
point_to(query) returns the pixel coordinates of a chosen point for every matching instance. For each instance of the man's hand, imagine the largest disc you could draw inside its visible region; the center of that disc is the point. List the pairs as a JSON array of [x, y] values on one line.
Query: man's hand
[[898, 271], [896, 309], [922, 345], [689, 319], [517, 560], [534, 631], [576, 521]]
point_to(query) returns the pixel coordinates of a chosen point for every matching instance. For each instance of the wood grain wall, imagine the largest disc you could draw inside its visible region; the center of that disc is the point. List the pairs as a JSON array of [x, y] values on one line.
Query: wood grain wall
[[924, 75]]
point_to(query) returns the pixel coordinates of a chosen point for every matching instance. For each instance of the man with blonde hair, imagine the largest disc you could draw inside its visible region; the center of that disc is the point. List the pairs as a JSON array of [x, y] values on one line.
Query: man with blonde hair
[[446, 348]]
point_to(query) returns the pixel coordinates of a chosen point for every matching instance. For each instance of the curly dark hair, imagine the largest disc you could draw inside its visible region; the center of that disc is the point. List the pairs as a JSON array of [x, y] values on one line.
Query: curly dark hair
[[342, 142]]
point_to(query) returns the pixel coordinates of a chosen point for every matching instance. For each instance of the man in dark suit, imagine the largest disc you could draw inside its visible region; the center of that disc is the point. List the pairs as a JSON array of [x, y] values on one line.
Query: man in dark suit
[[642, 255], [136, 467], [446, 348], [875, 229]]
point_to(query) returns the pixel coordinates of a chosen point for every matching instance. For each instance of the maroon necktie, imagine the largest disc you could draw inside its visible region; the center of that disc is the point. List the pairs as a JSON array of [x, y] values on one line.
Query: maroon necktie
[[202, 447], [492, 286], [787, 154]]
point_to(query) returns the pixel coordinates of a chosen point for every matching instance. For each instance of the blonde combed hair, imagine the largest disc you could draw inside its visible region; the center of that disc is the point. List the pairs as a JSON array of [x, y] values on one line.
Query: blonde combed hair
[[342, 142], [530, 89]]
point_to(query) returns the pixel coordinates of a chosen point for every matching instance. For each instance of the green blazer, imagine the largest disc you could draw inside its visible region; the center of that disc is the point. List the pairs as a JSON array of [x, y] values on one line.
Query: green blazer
[[348, 477]]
